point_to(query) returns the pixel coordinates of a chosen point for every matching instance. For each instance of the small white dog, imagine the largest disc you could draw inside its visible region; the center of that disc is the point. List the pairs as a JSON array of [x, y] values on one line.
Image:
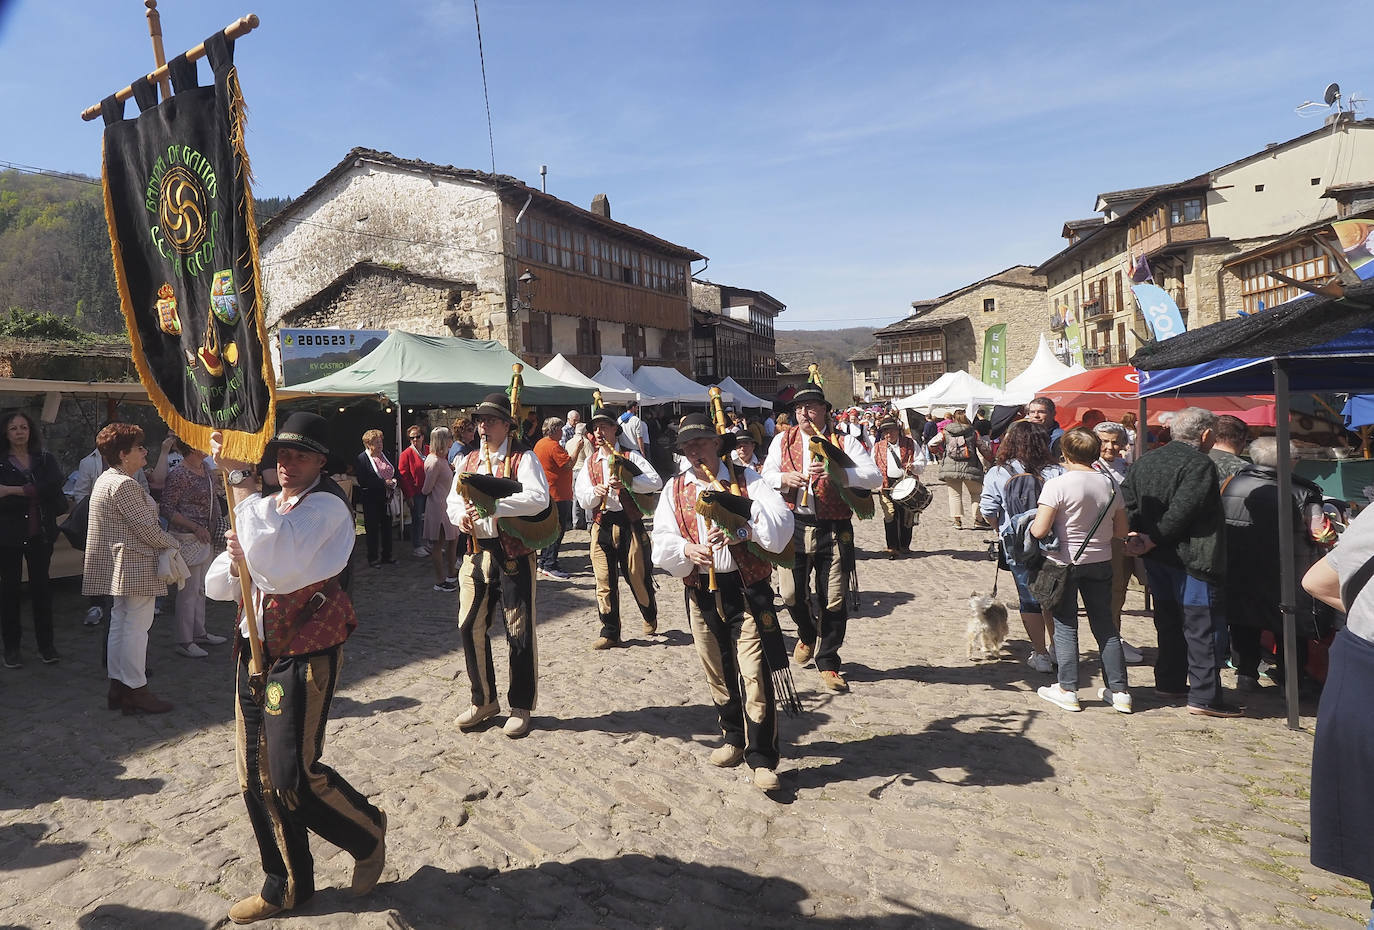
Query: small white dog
[[987, 628]]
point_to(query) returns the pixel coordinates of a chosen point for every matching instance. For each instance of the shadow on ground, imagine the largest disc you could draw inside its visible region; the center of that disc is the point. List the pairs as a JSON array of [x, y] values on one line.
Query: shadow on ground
[[633, 890]]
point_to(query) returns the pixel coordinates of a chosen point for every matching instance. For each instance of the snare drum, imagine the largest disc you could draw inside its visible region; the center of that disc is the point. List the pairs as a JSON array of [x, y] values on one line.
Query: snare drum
[[911, 494]]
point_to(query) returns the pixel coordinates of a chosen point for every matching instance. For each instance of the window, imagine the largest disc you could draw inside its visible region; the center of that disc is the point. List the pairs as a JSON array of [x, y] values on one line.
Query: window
[[1185, 211], [1316, 182], [1301, 262], [1259, 188], [989, 304], [588, 337], [539, 333]]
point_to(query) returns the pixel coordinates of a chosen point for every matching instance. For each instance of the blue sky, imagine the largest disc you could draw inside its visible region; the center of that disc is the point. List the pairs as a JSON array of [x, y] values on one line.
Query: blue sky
[[845, 157]]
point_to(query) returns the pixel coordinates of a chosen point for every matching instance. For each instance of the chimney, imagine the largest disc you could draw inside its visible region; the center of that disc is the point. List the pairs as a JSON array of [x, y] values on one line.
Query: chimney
[[601, 206]]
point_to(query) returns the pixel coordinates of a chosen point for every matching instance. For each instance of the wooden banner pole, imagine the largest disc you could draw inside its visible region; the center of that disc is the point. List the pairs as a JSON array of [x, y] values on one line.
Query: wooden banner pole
[[159, 57], [240, 27]]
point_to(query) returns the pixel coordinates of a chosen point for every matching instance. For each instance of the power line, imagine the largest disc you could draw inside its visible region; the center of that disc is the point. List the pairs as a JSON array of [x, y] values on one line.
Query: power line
[[491, 142], [48, 173]]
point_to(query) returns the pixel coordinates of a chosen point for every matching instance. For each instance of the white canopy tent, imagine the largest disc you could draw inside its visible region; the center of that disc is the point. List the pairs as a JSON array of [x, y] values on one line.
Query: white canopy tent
[[742, 397], [951, 389], [671, 385], [1045, 369], [612, 377], [560, 369]]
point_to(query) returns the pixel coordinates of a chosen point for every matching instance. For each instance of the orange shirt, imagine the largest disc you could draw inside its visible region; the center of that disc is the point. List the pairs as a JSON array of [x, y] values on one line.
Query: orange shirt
[[557, 468]]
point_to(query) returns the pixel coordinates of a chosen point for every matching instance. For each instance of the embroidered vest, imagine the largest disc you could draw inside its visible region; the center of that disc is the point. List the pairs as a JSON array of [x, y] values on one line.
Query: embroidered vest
[[751, 568], [596, 471], [825, 499], [313, 618], [512, 547], [906, 451]]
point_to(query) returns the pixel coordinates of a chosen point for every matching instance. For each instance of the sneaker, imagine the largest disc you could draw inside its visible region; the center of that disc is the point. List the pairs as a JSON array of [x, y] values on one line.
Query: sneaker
[[420, 552], [475, 715], [1040, 662], [452, 579], [727, 755], [557, 573], [212, 639], [834, 681], [517, 724], [1247, 683], [93, 616], [766, 779], [803, 653], [391, 561], [191, 651], [1132, 655], [1219, 709], [49, 656], [446, 587], [1120, 700], [13, 659], [1057, 695]]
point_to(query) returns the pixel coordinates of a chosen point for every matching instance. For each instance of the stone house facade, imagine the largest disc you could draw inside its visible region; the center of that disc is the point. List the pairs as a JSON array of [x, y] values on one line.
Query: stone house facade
[[383, 242], [1209, 241], [863, 368]]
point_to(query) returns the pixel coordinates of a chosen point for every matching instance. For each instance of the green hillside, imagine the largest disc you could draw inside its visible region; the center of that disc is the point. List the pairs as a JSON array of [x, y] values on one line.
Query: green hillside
[[832, 348]]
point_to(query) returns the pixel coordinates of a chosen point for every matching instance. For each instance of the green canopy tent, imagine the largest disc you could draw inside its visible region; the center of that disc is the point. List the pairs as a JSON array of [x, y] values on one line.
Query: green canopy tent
[[438, 371]]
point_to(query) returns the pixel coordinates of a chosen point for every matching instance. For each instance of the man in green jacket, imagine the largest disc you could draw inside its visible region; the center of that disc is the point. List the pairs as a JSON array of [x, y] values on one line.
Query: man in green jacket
[[1173, 502]]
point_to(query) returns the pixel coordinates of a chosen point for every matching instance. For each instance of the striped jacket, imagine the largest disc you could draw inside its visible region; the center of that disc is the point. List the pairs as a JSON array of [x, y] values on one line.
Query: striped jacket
[[124, 539]]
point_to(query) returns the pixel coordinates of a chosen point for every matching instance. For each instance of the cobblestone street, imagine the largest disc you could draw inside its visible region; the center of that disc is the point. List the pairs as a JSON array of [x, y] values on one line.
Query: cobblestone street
[[940, 793]]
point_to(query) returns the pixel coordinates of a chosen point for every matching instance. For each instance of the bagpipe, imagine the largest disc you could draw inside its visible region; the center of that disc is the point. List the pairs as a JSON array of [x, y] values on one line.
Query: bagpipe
[[730, 510], [484, 491], [621, 467]]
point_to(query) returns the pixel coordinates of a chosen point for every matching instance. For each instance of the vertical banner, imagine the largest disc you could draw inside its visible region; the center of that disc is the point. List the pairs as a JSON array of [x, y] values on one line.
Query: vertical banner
[[1159, 309], [995, 356], [1073, 336], [1357, 242], [180, 210]]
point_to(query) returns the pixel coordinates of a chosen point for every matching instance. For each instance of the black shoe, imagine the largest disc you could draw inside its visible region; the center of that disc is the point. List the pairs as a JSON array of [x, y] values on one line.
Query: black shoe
[[389, 561], [49, 656], [13, 659], [373, 563], [1218, 709]]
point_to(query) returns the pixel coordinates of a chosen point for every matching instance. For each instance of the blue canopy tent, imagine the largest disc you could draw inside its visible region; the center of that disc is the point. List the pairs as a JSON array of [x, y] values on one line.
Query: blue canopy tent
[[1318, 343]]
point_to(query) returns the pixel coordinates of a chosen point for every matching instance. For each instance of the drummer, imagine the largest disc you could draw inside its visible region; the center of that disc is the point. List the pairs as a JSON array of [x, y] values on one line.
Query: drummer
[[900, 461]]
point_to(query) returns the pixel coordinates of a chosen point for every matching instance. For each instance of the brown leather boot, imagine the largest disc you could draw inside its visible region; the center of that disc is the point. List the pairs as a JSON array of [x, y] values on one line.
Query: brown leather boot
[[141, 700], [115, 699]]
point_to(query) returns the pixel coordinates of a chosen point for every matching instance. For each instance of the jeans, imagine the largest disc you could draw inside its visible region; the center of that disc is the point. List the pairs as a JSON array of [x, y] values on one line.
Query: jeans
[[1093, 581], [417, 520], [1025, 599], [548, 556], [1186, 629]]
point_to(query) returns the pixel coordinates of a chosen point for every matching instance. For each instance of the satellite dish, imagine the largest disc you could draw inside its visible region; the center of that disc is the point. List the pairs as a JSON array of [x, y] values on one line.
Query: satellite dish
[[1333, 93]]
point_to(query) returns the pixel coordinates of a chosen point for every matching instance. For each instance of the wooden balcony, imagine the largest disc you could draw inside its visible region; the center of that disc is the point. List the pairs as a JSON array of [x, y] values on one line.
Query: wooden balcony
[[1095, 307], [1104, 356], [1170, 235]]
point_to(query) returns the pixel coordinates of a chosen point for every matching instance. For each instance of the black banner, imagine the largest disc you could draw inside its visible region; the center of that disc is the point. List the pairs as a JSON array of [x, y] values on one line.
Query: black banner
[[180, 210]]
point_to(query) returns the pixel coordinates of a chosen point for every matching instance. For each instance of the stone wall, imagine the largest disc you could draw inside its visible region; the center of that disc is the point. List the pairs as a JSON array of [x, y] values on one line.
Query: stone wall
[[377, 297], [1023, 309], [432, 226]]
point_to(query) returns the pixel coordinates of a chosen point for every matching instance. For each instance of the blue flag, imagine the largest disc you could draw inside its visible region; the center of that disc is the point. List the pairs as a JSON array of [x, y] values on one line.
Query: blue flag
[[1160, 310]]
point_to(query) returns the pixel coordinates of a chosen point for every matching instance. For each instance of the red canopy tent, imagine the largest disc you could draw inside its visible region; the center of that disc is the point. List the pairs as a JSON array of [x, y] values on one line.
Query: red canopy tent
[[1116, 390]]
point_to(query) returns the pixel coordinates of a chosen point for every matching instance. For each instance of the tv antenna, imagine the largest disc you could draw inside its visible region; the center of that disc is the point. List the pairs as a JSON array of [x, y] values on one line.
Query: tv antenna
[[1331, 97]]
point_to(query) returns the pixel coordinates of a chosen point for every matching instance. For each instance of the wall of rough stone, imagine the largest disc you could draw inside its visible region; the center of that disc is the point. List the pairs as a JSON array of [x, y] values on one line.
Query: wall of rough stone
[[1021, 308], [386, 215], [386, 299]]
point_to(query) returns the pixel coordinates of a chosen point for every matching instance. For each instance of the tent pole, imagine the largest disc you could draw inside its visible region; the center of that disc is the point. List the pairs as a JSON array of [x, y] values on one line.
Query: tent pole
[[1140, 430], [1288, 581]]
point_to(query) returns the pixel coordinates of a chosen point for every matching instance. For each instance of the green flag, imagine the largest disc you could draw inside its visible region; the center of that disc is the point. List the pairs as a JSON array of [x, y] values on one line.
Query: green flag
[[995, 356], [1073, 337]]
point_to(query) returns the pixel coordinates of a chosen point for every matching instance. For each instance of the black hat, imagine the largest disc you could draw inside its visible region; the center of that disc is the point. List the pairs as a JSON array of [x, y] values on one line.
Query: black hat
[[697, 425], [889, 422], [494, 405], [742, 434], [810, 393], [605, 415], [301, 430]]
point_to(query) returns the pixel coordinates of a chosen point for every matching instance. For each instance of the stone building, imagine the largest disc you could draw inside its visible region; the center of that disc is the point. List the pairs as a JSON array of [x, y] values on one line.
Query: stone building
[[1209, 241], [946, 333], [732, 337], [863, 367], [382, 242]]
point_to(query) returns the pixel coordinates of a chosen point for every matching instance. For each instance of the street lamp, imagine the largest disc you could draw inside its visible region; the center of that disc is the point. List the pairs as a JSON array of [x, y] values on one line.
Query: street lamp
[[524, 290]]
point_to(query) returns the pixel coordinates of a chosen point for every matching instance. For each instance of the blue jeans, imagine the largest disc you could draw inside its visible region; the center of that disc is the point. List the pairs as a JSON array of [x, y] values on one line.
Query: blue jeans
[[1021, 575], [548, 556], [1185, 624], [1093, 581]]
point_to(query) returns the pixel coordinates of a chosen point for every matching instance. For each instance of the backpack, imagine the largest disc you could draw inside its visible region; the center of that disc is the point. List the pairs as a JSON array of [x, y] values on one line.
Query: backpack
[[1020, 496], [957, 448]]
